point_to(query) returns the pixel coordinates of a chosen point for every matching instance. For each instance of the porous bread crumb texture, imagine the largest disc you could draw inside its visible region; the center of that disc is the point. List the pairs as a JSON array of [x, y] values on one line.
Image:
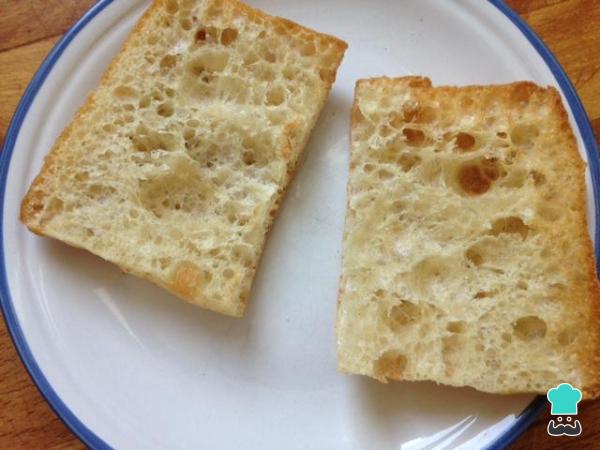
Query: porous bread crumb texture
[[467, 259], [174, 167]]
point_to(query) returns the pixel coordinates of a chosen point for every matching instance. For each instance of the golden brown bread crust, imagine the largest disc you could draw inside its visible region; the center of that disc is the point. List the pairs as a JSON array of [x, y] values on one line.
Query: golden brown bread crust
[[582, 296]]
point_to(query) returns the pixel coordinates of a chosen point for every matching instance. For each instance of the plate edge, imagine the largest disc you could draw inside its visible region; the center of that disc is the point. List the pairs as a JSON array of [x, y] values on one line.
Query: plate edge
[[87, 436]]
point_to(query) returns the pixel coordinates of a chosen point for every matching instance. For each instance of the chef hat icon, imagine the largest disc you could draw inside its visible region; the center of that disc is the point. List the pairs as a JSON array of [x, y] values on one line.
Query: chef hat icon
[[564, 399]]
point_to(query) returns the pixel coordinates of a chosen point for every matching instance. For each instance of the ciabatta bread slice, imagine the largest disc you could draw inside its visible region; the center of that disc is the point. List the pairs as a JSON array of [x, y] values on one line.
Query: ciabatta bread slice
[[174, 167], [467, 258]]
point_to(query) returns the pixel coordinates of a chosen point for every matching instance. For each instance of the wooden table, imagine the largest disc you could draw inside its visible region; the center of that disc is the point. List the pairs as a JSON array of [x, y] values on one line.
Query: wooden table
[[29, 29]]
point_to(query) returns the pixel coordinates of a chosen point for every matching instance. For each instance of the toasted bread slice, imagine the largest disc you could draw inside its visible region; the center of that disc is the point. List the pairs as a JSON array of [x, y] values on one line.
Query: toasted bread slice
[[174, 167], [467, 258]]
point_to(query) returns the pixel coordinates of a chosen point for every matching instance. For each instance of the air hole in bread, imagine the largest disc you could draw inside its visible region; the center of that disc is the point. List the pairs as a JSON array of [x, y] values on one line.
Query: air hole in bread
[[276, 117], [482, 294], [390, 364], [524, 135], [289, 73], [472, 180], [529, 328], [109, 128], [145, 102], [511, 224], [522, 285], [384, 174], [264, 72], [185, 23], [414, 137], [209, 61], [501, 134], [153, 39], [397, 121], [403, 314], [165, 110], [458, 326], [465, 141], [148, 140], [430, 270], [248, 157], [408, 160], [269, 56], [367, 168], [410, 109], [189, 133], [168, 62], [157, 95], [228, 36], [171, 6], [476, 177], [567, 336], [538, 177], [126, 94], [327, 75], [474, 256], [275, 96], [397, 206], [228, 273], [251, 58], [200, 36], [241, 252], [169, 194]]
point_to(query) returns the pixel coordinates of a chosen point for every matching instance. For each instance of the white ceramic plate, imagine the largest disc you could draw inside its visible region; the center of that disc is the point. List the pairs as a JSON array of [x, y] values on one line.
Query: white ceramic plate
[[128, 366]]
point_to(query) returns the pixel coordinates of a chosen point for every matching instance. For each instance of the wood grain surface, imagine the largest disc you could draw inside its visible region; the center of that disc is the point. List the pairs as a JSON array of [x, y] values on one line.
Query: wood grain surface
[[29, 29]]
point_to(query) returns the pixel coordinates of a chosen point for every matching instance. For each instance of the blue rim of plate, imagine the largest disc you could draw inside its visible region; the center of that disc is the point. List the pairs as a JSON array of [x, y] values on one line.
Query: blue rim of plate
[[87, 436]]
